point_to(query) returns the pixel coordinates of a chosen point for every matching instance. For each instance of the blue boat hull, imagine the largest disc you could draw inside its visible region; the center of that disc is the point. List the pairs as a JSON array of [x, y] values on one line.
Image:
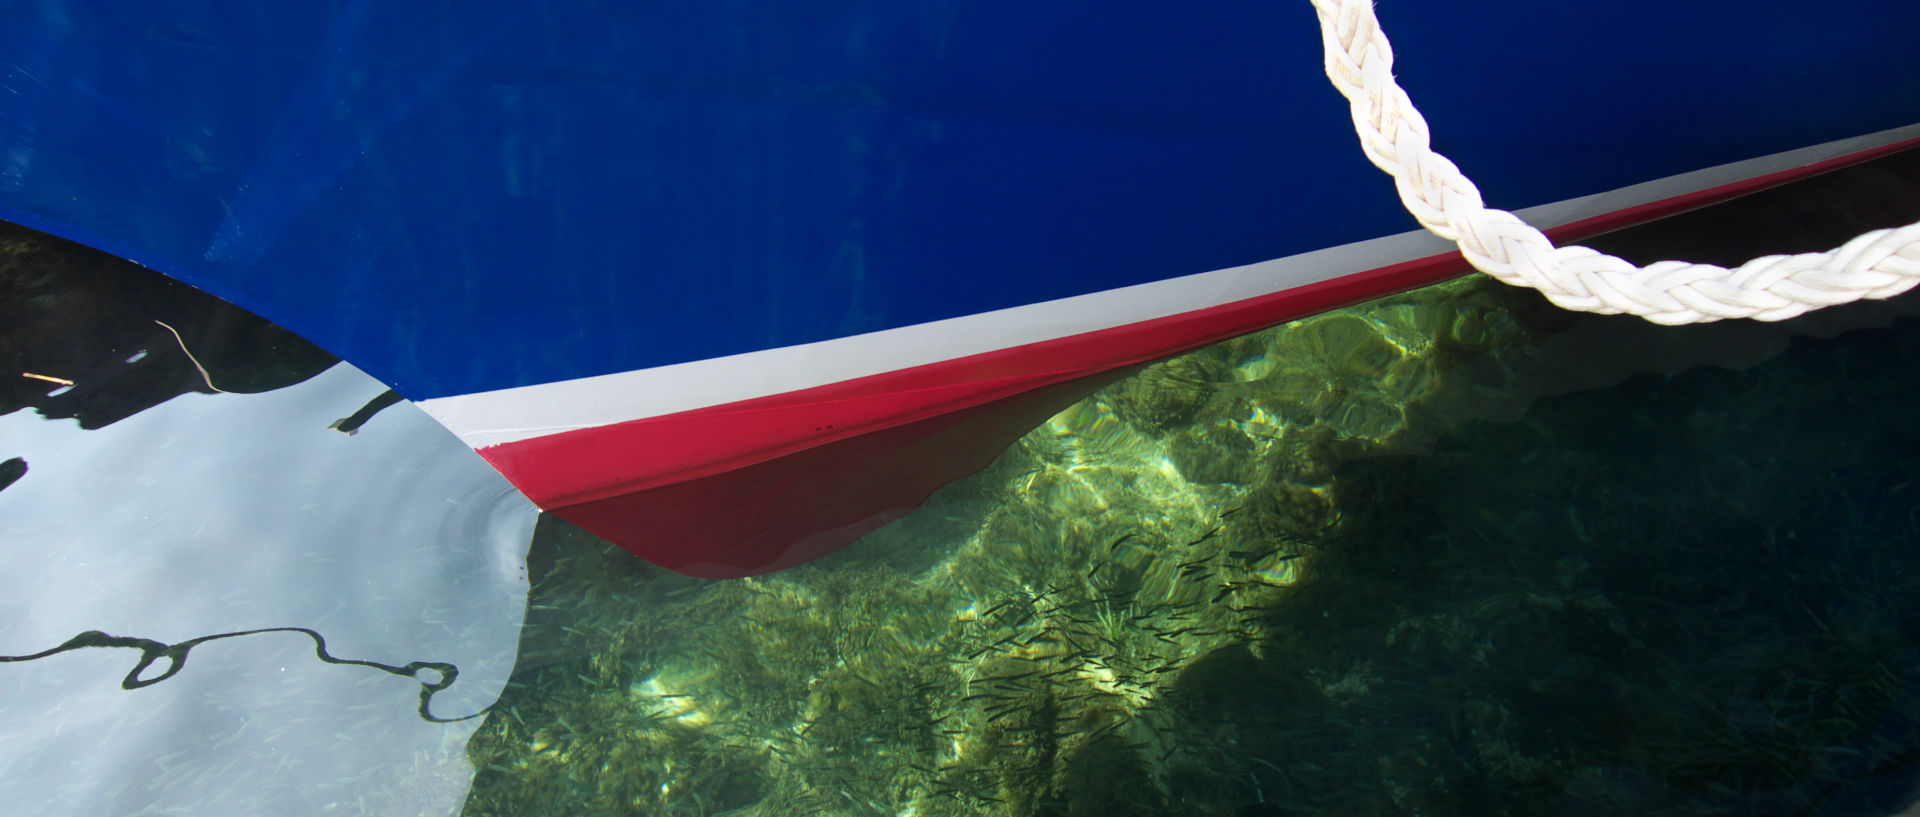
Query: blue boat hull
[[549, 220], [495, 194]]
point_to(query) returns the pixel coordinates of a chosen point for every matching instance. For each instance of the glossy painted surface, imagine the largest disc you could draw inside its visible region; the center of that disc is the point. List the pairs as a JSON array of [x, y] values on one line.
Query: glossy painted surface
[[462, 197]]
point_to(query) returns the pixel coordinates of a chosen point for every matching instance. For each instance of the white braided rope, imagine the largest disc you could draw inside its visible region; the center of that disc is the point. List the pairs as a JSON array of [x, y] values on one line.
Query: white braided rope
[[1879, 264]]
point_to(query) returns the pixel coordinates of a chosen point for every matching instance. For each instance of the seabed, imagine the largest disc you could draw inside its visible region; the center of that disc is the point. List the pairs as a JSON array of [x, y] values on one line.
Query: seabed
[[1399, 559]]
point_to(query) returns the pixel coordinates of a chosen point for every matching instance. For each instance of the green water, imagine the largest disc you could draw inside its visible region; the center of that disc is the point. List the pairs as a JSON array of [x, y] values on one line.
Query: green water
[[1452, 552], [1440, 554]]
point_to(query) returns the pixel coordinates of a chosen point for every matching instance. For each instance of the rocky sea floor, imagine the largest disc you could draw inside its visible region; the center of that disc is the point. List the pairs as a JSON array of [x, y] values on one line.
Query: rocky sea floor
[[1448, 553]]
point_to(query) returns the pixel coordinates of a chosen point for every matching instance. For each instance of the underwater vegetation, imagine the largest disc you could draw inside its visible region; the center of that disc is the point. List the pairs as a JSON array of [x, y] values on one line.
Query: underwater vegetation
[[1361, 564]]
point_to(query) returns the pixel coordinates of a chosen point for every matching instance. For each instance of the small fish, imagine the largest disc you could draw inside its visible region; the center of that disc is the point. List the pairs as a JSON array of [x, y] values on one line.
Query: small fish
[[984, 650], [1209, 535]]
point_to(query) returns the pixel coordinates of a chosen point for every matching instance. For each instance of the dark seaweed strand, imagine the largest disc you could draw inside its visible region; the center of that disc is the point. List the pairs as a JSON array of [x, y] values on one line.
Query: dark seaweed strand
[[176, 655]]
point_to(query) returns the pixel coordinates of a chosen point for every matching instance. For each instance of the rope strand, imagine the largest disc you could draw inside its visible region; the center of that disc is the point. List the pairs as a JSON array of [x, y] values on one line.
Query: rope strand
[[1394, 135]]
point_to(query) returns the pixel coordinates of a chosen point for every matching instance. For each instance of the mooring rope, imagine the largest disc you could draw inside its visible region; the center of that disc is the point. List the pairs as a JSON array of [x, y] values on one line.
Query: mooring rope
[[1879, 264]]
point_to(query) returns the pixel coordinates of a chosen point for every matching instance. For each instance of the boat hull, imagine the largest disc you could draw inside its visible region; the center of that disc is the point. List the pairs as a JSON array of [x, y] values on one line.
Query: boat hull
[[621, 250]]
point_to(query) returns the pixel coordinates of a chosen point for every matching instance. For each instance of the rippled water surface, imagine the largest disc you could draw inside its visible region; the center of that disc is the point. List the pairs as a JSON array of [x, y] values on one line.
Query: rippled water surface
[[1448, 553]]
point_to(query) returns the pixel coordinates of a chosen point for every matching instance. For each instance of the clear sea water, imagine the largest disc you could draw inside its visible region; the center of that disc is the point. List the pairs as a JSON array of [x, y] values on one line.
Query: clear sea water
[[1452, 552]]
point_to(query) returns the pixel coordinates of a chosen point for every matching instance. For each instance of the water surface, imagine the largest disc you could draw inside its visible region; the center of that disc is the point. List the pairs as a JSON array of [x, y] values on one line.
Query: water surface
[[1452, 552]]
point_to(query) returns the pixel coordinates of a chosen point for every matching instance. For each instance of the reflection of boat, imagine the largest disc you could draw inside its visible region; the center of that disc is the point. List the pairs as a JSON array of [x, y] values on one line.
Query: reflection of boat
[[217, 514], [732, 286]]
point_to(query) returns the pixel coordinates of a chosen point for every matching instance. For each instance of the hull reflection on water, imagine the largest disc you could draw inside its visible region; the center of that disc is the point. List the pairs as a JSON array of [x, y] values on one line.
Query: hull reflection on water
[[217, 513]]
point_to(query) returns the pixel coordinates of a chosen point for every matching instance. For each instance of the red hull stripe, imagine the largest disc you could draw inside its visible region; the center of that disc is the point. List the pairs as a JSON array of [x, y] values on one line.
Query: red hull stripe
[[1629, 216], [765, 484], [775, 481], [790, 510]]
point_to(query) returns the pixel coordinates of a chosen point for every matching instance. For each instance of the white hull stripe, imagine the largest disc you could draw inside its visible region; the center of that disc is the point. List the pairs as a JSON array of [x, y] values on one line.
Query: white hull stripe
[[491, 418]]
